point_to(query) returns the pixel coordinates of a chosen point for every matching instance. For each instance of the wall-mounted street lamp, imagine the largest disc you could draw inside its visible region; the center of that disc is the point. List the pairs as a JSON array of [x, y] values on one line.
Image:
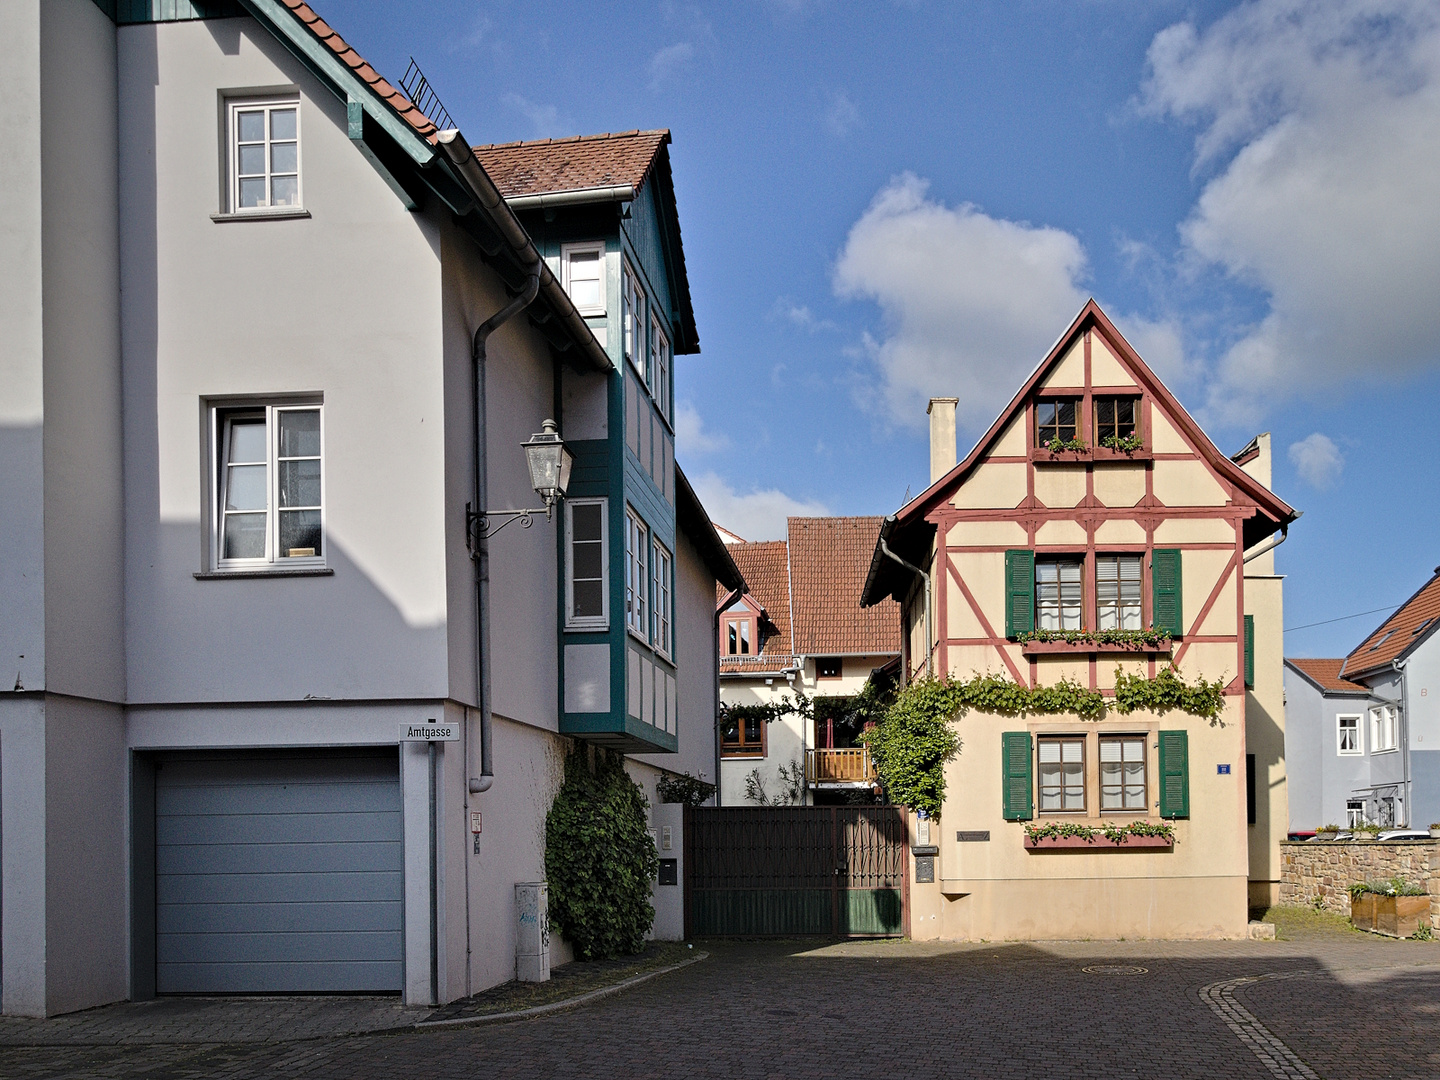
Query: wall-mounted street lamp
[[550, 461]]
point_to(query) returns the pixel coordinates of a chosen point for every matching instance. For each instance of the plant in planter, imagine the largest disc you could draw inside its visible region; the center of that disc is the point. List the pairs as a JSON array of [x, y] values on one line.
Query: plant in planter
[[1327, 832], [1435, 829], [1396, 908], [1126, 444], [1058, 445]]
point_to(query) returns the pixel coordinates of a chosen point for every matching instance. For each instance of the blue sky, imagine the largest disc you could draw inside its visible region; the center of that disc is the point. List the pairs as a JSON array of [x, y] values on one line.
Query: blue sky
[[885, 201]]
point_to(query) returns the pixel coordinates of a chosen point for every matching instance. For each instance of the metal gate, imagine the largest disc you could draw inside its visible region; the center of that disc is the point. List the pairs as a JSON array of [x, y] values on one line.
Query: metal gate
[[841, 871]]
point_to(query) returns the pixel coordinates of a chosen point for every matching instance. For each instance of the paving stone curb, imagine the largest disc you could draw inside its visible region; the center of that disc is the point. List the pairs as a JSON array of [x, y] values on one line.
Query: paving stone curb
[[554, 1006]]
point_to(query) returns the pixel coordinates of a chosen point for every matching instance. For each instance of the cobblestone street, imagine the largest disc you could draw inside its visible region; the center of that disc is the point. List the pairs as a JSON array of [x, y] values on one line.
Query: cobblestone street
[[1343, 1006]]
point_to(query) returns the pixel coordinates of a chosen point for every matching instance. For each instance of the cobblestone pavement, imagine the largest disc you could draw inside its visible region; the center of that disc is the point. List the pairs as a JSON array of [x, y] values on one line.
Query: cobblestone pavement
[[1344, 1008]]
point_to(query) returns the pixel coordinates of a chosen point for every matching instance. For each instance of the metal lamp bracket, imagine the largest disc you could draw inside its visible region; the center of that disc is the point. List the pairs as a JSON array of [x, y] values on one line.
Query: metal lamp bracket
[[486, 523]]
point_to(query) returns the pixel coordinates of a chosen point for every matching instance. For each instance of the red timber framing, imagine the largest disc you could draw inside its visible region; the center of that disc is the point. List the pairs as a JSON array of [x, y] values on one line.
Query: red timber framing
[[1245, 497]]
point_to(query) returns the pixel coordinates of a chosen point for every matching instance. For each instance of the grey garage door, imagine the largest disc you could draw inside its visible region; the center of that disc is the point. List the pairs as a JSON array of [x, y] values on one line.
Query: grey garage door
[[278, 872]]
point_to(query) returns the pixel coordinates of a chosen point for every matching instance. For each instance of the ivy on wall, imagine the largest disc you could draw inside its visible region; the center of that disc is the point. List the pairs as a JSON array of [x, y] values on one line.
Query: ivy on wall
[[600, 859], [913, 742]]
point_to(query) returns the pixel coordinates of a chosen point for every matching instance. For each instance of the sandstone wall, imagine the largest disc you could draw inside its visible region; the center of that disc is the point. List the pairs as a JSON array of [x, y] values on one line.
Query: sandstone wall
[[1327, 869]]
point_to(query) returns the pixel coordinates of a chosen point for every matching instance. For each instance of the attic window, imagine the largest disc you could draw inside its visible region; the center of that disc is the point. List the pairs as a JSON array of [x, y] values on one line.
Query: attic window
[[1114, 418], [1382, 641], [1056, 419]]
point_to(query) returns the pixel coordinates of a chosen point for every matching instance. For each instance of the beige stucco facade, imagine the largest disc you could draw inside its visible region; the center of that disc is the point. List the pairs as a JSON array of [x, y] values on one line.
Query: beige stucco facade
[[1177, 493]]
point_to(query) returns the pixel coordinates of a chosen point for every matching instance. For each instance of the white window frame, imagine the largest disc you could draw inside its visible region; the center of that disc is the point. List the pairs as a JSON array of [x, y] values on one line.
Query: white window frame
[[587, 622], [220, 417], [234, 107], [662, 568], [632, 318], [659, 366], [1384, 729], [1354, 813], [1359, 747], [637, 576], [568, 252], [1110, 593]]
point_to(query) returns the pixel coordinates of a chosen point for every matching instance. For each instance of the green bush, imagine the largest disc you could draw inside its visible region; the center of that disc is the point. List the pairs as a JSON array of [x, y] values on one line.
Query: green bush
[[600, 859]]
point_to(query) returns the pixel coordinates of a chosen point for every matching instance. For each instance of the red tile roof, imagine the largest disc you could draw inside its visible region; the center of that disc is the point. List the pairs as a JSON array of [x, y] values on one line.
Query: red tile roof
[[544, 166], [810, 587], [402, 105], [763, 565], [1325, 674], [829, 558], [1412, 622]]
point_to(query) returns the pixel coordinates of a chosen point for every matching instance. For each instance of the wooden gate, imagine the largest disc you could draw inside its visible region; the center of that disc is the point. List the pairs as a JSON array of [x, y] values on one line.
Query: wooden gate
[[839, 871]]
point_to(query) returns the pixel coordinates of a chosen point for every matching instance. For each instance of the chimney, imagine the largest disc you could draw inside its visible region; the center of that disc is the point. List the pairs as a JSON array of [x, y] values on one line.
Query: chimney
[[942, 436]]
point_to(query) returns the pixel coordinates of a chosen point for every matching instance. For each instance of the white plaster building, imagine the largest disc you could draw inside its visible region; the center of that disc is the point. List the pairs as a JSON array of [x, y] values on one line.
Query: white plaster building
[[239, 405]]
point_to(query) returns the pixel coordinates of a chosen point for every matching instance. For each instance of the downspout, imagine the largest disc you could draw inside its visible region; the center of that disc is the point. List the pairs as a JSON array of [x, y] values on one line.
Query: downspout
[[1271, 542], [929, 629], [480, 546], [1398, 666]]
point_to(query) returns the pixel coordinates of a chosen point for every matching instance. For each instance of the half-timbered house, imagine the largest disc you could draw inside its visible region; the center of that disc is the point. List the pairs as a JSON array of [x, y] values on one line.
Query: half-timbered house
[[1096, 530]]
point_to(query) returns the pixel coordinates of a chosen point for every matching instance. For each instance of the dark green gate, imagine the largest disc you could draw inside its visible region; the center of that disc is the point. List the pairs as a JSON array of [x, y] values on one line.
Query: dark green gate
[[839, 871]]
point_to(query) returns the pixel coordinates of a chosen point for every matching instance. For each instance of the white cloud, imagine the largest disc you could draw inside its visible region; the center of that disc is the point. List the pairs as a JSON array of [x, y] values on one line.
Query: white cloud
[[756, 515], [798, 315], [691, 438], [841, 114], [544, 118], [669, 60], [1330, 114], [1317, 460], [971, 303]]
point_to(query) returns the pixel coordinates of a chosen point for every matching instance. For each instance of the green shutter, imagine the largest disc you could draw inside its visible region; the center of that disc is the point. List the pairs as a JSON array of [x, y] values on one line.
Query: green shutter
[[1019, 592], [1250, 650], [1166, 609], [1015, 770], [1174, 774]]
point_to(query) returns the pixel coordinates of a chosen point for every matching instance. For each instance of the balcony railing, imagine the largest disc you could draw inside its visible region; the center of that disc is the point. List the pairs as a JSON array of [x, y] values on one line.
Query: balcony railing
[[851, 765]]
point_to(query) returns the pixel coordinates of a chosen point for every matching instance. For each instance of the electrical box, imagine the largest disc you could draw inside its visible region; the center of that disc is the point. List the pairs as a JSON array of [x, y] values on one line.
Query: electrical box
[[532, 931]]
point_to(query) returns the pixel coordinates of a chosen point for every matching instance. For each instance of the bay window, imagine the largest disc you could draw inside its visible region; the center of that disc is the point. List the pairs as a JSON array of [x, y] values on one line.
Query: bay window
[[660, 564], [636, 575], [584, 268], [586, 597]]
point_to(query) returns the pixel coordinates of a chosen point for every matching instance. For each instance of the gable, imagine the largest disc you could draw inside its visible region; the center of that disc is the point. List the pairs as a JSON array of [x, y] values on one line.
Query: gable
[[1208, 478]]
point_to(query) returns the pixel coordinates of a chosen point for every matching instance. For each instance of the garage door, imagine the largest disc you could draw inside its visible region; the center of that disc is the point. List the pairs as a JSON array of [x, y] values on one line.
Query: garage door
[[278, 872]]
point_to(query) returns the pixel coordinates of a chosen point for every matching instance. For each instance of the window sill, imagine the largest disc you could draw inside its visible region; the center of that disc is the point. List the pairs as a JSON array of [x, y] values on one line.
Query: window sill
[[587, 628], [1032, 648], [299, 571], [278, 214], [1376, 753], [1077, 843], [727, 755]]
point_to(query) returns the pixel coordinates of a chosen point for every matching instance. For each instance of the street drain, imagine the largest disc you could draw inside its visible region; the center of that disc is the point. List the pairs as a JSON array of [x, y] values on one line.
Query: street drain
[[1115, 969]]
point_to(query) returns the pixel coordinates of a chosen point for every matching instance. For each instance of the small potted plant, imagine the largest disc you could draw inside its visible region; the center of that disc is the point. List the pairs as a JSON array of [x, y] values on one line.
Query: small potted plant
[[1435, 830], [1327, 832]]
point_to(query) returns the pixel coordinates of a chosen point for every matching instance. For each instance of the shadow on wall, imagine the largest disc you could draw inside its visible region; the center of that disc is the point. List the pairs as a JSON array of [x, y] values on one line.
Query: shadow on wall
[[262, 639]]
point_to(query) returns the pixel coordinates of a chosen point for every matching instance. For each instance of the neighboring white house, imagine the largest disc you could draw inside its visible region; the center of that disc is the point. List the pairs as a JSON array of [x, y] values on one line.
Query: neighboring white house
[[1362, 733], [800, 629], [243, 277]]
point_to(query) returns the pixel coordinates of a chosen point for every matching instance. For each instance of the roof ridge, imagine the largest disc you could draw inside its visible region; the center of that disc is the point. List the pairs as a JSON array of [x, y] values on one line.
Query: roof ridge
[[552, 140]]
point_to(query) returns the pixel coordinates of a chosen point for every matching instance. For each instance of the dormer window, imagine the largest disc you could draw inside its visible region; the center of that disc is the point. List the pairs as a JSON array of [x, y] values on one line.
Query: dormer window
[[1056, 418], [739, 630], [1114, 418]]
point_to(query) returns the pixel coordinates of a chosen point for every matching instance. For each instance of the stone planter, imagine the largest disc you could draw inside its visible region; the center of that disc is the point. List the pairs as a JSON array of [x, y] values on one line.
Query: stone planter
[[1435, 832], [1393, 916]]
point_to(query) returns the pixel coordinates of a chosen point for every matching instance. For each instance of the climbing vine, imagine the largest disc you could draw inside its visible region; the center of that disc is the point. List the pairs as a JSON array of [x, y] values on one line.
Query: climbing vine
[[914, 740], [600, 859]]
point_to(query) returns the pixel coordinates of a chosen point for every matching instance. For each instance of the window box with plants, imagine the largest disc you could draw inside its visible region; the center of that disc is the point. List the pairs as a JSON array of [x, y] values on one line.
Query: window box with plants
[[1122, 448], [1060, 450], [1395, 908], [1070, 835], [1150, 641]]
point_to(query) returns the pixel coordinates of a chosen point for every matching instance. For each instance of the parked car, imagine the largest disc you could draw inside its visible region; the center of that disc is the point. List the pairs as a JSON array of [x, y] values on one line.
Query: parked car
[[1404, 834]]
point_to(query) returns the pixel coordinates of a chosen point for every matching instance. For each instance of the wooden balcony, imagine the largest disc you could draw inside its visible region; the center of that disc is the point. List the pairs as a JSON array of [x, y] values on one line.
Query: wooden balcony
[[850, 767]]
